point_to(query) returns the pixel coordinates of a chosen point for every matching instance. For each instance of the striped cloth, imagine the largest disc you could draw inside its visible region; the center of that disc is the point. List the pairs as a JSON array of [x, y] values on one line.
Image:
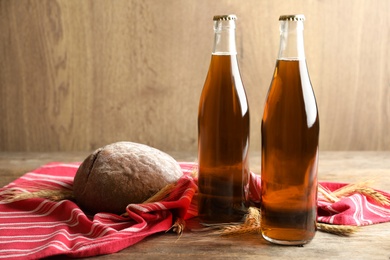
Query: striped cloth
[[355, 210], [37, 228]]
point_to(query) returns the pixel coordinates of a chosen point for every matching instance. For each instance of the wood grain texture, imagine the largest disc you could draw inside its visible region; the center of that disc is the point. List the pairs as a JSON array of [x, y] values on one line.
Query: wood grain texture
[[76, 75]]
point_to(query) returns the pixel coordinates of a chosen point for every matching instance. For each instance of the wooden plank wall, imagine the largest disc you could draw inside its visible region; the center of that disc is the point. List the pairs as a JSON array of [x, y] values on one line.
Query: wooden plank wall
[[76, 75]]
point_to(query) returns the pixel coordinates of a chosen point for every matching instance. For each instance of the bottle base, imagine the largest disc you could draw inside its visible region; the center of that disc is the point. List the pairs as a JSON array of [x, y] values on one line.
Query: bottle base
[[286, 242]]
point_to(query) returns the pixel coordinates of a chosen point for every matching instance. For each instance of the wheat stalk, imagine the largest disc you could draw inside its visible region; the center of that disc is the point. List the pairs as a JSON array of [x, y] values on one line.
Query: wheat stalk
[[233, 230], [13, 195], [375, 195], [327, 194], [161, 194], [350, 188], [178, 226], [252, 225], [361, 187], [240, 229], [341, 230]]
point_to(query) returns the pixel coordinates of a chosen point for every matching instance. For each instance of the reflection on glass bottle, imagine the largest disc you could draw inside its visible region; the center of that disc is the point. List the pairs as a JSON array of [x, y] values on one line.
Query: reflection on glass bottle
[[223, 132], [290, 135]]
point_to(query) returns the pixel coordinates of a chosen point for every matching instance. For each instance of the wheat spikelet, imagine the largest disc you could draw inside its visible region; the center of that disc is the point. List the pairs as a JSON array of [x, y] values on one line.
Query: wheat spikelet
[[327, 194], [252, 225], [253, 216], [194, 172], [13, 195], [369, 192], [161, 194], [240, 229], [350, 188], [375, 195], [178, 226], [361, 187], [341, 230], [364, 189]]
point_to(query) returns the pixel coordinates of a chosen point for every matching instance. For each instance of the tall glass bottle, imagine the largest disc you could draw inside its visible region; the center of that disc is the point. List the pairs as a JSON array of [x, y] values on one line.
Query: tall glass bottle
[[290, 135], [223, 132]]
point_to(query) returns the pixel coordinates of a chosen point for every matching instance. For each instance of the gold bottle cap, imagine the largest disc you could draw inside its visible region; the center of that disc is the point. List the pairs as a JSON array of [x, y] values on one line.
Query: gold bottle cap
[[225, 17], [292, 17]]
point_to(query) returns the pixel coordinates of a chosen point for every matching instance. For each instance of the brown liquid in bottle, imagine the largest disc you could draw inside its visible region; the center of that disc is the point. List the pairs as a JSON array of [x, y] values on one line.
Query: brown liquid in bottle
[[290, 131], [223, 136]]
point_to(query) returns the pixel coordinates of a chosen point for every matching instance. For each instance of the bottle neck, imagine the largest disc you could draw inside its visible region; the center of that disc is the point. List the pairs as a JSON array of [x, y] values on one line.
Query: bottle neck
[[291, 41], [224, 37]]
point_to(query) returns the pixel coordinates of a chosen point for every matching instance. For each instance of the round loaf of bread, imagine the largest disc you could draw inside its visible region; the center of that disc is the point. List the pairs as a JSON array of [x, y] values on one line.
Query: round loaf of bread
[[120, 174]]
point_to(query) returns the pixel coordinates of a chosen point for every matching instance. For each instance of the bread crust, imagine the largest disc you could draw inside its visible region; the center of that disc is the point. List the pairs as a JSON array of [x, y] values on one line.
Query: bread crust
[[120, 174]]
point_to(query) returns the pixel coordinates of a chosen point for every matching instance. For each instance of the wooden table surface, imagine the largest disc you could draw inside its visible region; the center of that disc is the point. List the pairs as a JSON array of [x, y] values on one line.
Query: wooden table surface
[[369, 242]]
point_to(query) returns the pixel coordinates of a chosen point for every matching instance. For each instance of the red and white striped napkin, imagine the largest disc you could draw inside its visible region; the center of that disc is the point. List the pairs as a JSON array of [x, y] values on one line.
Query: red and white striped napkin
[[37, 228], [355, 210]]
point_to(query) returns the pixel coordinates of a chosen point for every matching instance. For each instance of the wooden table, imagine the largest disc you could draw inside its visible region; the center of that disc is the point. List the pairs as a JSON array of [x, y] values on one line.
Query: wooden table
[[370, 242]]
